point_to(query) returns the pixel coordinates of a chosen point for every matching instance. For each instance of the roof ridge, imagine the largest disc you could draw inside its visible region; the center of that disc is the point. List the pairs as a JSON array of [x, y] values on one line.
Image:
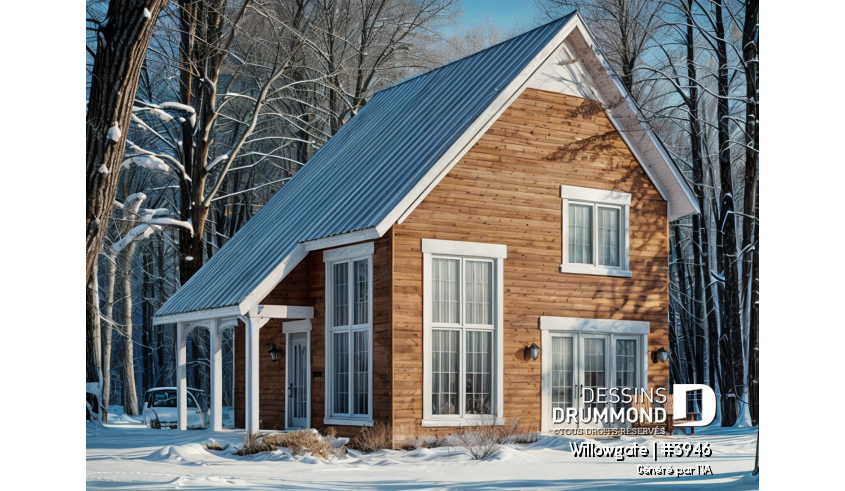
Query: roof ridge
[[414, 77]]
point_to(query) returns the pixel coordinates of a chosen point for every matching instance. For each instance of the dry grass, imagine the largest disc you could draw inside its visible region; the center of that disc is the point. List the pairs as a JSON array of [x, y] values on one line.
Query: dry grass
[[298, 442], [375, 438], [416, 442], [483, 438]]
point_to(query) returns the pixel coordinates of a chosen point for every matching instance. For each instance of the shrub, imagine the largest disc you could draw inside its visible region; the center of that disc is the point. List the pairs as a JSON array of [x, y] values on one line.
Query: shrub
[[375, 438], [298, 442], [483, 438]]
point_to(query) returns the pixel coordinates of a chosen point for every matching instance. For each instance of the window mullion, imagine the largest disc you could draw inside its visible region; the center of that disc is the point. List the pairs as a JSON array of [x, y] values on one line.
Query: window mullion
[[350, 345], [594, 231], [462, 340]]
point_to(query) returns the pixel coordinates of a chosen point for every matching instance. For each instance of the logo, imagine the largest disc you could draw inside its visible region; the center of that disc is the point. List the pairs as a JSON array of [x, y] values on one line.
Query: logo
[[679, 407]]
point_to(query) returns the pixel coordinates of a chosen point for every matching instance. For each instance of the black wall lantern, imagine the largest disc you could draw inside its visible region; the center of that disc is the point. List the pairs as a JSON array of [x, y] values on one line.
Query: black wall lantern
[[660, 355], [274, 353], [531, 352]]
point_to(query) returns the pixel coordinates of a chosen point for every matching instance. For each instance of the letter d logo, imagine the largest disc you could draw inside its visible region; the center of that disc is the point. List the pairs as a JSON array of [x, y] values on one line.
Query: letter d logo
[[679, 407]]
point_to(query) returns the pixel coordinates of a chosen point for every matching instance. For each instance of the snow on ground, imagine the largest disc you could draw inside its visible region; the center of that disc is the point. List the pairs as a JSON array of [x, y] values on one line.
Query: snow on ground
[[129, 458]]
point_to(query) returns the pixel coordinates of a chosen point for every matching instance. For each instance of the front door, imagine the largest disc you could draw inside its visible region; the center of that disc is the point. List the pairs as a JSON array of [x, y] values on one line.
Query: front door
[[297, 402]]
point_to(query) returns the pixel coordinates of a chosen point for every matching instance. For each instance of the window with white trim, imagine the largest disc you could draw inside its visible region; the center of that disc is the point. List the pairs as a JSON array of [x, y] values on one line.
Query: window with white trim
[[349, 334], [595, 231], [463, 331]]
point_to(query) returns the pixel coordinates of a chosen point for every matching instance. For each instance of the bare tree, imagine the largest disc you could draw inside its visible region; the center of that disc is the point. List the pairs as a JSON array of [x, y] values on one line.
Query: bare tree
[[122, 38]]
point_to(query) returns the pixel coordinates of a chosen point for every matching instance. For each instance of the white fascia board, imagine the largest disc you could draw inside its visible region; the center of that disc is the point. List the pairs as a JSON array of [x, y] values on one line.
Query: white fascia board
[[594, 52], [343, 239], [548, 323], [475, 131], [460, 248], [285, 312], [357, 250], [197, 315]]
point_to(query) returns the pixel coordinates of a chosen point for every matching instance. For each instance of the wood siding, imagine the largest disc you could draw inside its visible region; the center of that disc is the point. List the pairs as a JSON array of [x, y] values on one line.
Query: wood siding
[[506, 190], [305, 286]]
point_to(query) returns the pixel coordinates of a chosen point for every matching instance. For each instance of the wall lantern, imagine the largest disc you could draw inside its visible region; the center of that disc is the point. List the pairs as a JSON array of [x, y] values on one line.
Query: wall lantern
[[274, 353], [531, 352], [659, 355]]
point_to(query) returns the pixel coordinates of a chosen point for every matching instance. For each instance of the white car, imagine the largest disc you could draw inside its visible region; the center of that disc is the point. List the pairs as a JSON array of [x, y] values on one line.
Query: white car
[[160, 403]]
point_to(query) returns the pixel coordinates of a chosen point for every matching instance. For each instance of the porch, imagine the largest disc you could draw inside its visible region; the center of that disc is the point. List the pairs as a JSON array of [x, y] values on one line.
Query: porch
[[297, 329]]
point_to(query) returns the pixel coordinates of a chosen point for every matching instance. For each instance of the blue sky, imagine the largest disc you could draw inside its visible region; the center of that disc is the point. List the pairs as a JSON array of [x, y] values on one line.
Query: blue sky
[[504, 12]]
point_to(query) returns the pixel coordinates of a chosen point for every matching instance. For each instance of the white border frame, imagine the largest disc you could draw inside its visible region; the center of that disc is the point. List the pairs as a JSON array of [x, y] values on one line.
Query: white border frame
[[348, 255], [596, 198], [289, 328], [497, 254], [611, 328]]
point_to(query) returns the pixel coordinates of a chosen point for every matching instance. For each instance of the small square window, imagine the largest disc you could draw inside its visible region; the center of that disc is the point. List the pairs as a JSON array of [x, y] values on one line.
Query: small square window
[[595, 231]]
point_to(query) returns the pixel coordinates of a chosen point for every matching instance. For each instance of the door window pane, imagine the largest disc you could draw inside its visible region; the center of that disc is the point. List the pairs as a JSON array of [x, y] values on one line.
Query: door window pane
[[446, 295], [340, 299], [361, 366], [562, 372], [444, 374], [478, 293], [626, 365], [340, 366], [594, 363], [608, 236], [361, 291], [581, 234], [479, 354]]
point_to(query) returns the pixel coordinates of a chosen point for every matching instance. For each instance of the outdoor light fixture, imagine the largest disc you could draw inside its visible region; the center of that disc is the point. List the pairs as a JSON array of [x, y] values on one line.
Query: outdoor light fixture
[[531, 352], [659, 355], [274, 353]]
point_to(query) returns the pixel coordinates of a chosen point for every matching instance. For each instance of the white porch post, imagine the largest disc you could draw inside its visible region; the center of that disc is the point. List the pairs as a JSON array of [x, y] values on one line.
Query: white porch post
[[252, 327], [181, 376], [216, 377]]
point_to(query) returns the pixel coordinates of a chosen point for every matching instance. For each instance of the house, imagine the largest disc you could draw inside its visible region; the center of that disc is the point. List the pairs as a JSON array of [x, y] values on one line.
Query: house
[[510, 199]]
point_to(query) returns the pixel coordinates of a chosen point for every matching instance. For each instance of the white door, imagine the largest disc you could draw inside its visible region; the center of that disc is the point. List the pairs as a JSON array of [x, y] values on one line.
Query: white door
[[297, 402]]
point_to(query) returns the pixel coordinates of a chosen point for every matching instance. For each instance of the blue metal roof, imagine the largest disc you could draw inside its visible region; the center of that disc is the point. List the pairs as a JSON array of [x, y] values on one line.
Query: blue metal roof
[[364, 171]]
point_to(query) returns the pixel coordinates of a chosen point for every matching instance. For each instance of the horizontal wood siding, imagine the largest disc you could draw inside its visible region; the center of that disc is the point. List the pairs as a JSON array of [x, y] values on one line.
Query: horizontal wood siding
[[506, 190]]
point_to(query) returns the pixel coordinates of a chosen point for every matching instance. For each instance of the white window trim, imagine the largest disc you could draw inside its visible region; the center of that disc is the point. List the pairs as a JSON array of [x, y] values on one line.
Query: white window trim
[[614, 329], [596, 198], [496, 253], [330, 257]]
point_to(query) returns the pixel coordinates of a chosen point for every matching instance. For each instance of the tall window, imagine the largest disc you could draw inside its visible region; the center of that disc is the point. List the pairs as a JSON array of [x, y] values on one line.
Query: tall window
[[595, 231], [463, 324], [349, 334]]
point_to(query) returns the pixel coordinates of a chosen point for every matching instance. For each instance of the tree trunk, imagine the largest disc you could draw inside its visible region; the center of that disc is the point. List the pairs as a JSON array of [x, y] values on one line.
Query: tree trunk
[[130, 396], [93, 360], [734, 376], [108, 310], [750, 232]]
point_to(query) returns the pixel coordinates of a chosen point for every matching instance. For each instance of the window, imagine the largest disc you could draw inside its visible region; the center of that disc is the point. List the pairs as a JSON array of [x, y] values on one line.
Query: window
[[595, 231], [349, 326], [462, 316]]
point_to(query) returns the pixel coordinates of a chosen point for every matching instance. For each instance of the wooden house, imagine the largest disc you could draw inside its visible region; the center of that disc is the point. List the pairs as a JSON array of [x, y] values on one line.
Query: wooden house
[[510, 199]]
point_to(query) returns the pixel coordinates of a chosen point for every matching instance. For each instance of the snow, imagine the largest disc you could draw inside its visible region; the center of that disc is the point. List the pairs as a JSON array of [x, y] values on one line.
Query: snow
[[114, 133], [103, 169], [130, 457], [147, 14], [216, 161], [150, 162]]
